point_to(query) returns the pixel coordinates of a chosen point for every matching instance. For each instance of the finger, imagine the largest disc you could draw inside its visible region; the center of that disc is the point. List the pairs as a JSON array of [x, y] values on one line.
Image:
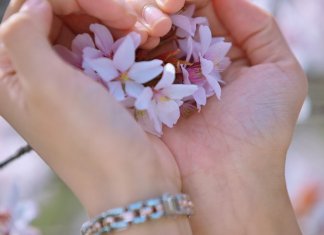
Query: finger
[[109, 12], [151, 43], [170, 6], [13, 7], [253, 29], [152, 17], [139, 28], [25, 36], [114, 12]]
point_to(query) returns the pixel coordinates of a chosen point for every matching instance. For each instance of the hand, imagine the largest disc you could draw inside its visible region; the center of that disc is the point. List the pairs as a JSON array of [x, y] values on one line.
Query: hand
[[214, 160], [232, 155], [147, 17], [87, 137]]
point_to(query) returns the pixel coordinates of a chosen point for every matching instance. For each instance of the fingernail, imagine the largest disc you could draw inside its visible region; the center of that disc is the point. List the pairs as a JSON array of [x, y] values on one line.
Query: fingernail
[[31, 4], [161, 2], [152, 14]]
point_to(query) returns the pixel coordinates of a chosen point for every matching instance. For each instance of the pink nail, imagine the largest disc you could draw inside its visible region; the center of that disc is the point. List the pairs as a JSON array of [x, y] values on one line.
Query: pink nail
[[152, 14]]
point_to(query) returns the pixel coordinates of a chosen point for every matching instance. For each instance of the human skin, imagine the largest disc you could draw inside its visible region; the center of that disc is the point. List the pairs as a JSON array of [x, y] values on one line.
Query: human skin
[[150, 18], [229, 158]]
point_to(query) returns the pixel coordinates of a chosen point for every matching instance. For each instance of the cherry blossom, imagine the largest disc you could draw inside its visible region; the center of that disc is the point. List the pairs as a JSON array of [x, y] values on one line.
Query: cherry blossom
[[191, 72], [163, 102], [122, 70]]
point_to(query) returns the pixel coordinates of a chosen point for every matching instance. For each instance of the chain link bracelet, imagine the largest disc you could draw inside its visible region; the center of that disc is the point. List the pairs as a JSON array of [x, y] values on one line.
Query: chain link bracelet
[[139, 212]]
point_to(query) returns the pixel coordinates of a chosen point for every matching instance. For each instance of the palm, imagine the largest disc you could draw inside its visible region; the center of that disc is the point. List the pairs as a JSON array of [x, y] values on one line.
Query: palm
[[258, 108]]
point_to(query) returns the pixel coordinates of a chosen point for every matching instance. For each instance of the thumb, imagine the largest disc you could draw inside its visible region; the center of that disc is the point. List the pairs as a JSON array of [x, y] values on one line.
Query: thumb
[[253, 29], [25, 37]]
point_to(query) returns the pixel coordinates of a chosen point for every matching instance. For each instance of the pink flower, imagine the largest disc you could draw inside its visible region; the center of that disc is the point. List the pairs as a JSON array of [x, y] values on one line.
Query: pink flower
[[213, 49], [213, 58], [211, 54], [15, 216], [122, 74], [194, 74], [163, 102], [185, 22], [186, 29]]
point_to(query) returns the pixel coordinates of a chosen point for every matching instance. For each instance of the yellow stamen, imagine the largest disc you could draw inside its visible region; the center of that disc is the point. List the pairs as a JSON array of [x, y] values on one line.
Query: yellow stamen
[[164, 99], [140, 113], [124, 77]]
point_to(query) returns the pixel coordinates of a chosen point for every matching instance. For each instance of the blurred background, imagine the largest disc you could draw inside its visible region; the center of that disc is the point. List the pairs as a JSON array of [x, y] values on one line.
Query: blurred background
[[35, 186]]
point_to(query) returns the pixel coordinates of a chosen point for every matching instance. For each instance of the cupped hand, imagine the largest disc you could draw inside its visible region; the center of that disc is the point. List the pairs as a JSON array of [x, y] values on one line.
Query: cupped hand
[[88, 138], [232, 154]]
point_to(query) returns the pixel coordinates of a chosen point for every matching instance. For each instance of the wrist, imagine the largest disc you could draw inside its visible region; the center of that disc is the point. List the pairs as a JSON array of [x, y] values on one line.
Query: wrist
[[131, 181], [247, 187]]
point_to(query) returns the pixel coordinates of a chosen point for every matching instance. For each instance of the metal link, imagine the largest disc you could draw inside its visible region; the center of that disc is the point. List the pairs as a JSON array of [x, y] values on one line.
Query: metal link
[[121, 218]]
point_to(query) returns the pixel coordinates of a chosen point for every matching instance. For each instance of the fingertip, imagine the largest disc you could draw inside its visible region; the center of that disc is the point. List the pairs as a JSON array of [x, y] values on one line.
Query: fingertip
[[158, 23], [40, 14], [170, 6]]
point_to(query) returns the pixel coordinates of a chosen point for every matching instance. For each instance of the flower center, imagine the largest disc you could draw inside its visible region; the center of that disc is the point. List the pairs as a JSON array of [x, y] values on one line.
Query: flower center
[[124, 77], [195, 73], [160, 97], [164, 98], [140, 113]]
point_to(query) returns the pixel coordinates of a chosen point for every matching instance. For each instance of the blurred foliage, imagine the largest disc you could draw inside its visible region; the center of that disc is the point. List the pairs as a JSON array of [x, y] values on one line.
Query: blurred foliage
[[59, 211]]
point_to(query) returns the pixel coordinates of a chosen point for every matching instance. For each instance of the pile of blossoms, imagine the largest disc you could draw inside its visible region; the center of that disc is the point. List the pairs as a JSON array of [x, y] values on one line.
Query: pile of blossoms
[[157, 86]]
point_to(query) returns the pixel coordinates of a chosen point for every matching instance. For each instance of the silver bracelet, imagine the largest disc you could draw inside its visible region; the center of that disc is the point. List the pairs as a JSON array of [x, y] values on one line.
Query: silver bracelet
[[139, 212]]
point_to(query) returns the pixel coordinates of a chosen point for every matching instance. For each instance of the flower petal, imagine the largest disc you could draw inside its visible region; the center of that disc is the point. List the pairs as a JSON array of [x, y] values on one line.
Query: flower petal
[[213, 82], [80, 42], [201, 21], [68, 56], [168, 112], [224, 64], [200, 97], [128, 103], [105, 68], [185, 75], [133, 89], [207, 66], [205, 38], [179, 91], [116, 89], [168, 77], [90, 53], [189, 11], [152, 112], [218, 51], [184, 23], [92, 74], [124, 57], [186, 46], [145, 71], [148, 124], [144, 100], [103, 38], [136, 37]]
